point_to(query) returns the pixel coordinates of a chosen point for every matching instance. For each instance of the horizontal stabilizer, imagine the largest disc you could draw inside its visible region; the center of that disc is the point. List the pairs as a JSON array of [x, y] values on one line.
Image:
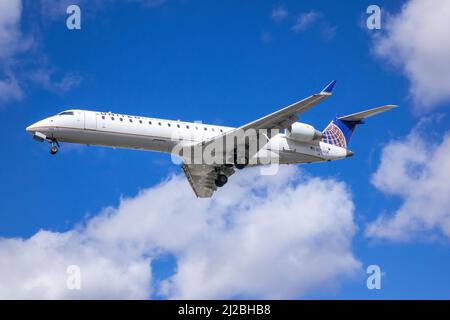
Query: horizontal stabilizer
[[366, 114]]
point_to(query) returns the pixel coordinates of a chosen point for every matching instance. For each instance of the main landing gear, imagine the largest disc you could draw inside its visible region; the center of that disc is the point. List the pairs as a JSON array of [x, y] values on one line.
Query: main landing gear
[[221, 180]]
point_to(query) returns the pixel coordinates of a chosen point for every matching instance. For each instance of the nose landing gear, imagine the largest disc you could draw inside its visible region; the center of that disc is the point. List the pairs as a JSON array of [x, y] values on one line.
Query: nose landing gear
[[53, 150], [54, 147]]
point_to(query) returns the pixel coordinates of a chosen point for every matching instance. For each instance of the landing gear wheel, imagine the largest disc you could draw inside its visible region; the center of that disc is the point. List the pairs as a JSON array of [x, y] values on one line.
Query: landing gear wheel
[[53, 150], [54, 146], [221, 180]]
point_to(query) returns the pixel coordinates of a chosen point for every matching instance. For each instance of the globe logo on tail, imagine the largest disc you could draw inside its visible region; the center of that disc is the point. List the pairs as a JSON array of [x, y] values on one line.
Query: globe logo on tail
[[334, 135]]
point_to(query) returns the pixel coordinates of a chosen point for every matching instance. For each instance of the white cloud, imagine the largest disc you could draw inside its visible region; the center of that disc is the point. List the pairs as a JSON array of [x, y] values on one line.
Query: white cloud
[[416, 40], [259, 237], [417, 171], [45, 78], [305, 20], [280, 245], [11, 43], [10, 89], [279, 14], [21, 59], [36, 268], [10, 34]]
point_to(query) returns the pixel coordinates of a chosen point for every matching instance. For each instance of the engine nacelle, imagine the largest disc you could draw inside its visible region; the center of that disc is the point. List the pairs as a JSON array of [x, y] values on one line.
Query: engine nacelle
[[303, 132]]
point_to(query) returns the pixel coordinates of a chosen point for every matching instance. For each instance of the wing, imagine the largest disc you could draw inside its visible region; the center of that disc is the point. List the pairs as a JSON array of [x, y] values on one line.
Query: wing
[[285, 117], [201, 178], [277, 120]]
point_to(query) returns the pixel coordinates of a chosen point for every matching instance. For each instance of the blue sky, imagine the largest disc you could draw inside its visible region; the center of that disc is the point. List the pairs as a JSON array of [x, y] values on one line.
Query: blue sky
[[226, 63]]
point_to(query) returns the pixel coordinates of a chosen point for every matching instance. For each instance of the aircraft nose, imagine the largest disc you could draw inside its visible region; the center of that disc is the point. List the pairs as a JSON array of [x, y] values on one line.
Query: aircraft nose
[[40, 125], [350, 153], [31, 128]]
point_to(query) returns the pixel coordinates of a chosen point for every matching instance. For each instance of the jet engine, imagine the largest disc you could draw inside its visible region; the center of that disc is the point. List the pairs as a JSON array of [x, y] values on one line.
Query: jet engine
[[303, 132]]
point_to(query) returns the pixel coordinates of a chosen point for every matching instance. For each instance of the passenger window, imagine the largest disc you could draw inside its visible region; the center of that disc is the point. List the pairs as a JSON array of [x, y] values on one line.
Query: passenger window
[[112, 118], [187, 127], [178, 125], [221, 130], [159, 123], [103, 117], [140, 121], [131, 120], [120, 119], [150, 122], [206, 128], [168, 124]]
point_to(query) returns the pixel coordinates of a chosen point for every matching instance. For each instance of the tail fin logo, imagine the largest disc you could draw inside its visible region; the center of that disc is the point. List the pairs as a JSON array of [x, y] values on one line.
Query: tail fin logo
[[334, 135]]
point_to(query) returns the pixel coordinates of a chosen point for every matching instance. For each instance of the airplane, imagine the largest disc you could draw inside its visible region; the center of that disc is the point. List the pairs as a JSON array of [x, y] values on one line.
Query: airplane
[[289, 141]]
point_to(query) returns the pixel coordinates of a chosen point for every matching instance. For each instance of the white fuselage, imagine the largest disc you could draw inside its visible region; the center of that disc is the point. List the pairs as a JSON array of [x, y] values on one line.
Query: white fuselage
[[135, 132]]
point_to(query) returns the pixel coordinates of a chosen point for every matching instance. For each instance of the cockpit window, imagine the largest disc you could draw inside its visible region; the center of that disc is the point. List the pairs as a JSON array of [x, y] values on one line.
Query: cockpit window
[[67, 113]]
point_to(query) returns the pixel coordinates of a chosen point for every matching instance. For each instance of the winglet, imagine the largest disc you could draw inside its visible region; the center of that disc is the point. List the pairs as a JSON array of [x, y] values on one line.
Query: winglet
[[329, 87]]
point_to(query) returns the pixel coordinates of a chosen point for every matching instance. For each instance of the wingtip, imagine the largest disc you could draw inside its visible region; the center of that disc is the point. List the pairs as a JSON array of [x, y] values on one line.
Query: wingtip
[[329, 88], [390, 107]]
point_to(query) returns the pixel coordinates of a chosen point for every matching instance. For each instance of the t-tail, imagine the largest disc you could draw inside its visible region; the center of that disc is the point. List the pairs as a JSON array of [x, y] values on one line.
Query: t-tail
[[341, 128]]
